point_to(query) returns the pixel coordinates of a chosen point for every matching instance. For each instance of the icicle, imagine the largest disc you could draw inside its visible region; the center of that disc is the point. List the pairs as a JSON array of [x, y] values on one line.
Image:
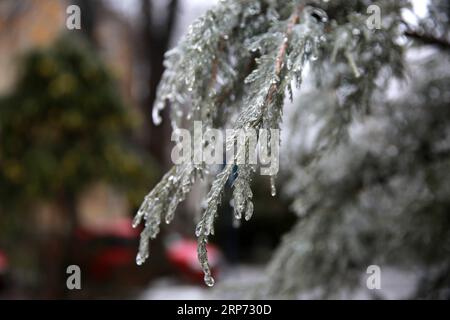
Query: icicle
[[290, 93], [236, 223], [198, 229], [209, 280], [203, 258], [143, 251], [139, 259], [249, 211], [137, 219], [273, 188], [238, 212], [209, 225], [156, 113], [169, 216]]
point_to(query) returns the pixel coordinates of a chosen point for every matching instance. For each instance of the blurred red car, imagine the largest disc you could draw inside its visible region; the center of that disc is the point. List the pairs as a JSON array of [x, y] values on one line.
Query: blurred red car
[[182, 254], [112, 248], [108, 249]]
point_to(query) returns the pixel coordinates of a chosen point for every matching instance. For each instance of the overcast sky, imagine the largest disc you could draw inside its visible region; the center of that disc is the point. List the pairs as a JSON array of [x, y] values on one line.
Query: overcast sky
[[190, 9], [193, 8]]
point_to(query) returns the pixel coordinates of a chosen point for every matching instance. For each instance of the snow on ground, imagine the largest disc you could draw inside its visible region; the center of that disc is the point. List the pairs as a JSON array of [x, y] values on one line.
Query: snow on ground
[[395, 284], [231, 277]]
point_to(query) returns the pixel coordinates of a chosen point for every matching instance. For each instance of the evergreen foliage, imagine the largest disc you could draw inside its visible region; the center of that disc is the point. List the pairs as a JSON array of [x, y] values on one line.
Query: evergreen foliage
[[359, 202], [63, 126]]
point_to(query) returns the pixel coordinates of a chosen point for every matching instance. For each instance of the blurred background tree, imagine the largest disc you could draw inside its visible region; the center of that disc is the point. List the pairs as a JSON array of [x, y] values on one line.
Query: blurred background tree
[[64, 127]]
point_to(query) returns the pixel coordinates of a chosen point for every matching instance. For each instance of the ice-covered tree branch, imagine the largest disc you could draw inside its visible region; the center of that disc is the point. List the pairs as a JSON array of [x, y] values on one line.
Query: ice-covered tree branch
[[234, 68]]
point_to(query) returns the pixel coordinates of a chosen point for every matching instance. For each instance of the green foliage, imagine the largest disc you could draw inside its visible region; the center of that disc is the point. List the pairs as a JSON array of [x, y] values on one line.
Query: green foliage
[[63, 126]]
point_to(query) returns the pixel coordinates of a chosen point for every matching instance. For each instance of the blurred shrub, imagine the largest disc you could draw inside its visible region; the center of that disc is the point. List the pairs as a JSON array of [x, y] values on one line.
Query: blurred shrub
[[64, 126]]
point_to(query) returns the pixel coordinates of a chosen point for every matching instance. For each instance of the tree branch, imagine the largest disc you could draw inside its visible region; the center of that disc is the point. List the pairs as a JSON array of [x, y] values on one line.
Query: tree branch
[[428, 39], [279, 62], [215, 65]]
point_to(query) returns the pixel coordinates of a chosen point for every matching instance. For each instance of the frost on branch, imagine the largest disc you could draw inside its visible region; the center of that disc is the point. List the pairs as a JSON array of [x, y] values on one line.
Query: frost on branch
[[234, 68]]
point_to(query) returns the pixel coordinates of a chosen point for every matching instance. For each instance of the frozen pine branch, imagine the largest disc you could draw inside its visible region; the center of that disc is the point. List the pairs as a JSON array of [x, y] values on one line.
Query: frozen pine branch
[[234, 68]]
